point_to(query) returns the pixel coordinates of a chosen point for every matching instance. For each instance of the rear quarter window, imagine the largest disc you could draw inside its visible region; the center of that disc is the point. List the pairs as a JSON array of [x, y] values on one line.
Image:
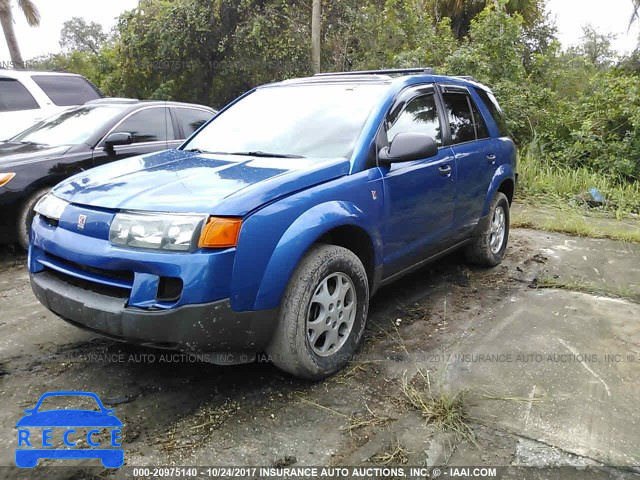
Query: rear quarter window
[[65, 90], [15, 97], [492, 105]]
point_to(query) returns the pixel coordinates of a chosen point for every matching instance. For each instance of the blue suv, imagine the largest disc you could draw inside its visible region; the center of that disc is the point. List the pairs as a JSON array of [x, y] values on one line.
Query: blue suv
[[271, 227]]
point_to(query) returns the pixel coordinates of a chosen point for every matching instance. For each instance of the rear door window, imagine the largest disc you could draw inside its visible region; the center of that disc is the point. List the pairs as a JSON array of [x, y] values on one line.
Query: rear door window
[[148, 125], [191, 119], [65, 90], [15, 97], [466, 122], [460, 117]]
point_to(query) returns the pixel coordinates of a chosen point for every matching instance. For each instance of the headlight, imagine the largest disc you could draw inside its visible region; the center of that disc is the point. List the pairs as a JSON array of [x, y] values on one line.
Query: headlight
[[174, 232], [6, 178], [51, 206]]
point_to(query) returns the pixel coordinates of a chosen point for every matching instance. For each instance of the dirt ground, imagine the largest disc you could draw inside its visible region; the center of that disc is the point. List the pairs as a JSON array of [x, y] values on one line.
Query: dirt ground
[[545, 350]]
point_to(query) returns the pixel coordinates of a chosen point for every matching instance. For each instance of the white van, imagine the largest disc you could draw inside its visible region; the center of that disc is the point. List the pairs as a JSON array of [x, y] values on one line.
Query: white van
[[27, 97]]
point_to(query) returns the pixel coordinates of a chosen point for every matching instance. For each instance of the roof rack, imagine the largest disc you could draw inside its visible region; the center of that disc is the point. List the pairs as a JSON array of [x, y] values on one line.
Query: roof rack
[[466, 77], [403, 71]]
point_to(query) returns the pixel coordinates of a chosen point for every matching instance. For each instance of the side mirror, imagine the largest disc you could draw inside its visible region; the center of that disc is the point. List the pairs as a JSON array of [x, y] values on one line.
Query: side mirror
[[407, 147], [119, 138]]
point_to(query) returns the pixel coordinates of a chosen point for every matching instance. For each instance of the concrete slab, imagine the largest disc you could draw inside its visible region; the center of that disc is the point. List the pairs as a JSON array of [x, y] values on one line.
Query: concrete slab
[[559, 367], [609, 264]]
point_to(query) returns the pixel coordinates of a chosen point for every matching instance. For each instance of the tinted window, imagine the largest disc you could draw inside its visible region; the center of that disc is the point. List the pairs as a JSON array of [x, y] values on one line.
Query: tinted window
[[149, 125], [14, 96], [481, 126], [460, 117], [72, 127], [496, 112], [191, 119], [419, 116], [66, 90]]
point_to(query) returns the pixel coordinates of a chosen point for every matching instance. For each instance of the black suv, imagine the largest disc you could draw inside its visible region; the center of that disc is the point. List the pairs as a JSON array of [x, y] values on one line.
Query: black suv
[[81, 138]]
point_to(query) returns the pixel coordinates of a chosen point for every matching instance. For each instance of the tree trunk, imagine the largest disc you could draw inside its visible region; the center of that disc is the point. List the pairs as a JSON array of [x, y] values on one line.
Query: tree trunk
[[6, 20], [315, 36]]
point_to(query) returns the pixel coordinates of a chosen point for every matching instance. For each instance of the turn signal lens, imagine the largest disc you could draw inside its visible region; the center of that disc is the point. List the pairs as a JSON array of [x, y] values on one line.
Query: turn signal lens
[[220, 233], [6, 178]]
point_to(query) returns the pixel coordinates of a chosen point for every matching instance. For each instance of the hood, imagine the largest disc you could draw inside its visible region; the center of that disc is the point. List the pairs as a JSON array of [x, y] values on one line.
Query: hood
[[179, 181], [16, 154]]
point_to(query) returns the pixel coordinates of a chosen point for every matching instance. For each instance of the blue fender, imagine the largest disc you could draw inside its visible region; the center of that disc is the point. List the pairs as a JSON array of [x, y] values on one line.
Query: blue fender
[[300, 236], [502, 173]]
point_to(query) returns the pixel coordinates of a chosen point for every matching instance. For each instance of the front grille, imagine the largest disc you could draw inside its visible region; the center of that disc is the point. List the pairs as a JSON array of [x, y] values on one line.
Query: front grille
[[95, 287], [119, 275]]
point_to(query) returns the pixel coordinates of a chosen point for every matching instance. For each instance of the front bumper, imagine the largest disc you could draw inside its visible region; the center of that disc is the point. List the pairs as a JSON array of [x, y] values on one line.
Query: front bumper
[[209, 327]]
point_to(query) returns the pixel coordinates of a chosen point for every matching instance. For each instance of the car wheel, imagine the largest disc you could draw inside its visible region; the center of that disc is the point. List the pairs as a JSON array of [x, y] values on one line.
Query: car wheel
[[323, 314], [488, 246], [25, 217]]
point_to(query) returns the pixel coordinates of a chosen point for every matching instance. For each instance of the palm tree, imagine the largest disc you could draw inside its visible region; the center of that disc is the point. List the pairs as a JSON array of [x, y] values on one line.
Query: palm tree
[[462, 12], [32, 15]]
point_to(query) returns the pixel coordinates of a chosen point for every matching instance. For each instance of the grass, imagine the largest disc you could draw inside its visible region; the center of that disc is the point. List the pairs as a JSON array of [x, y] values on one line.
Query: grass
[[586, 287], [444, 410], [207, 419], [563, 219], [395, 455], [368, 420], [553, 200], [546, 182]]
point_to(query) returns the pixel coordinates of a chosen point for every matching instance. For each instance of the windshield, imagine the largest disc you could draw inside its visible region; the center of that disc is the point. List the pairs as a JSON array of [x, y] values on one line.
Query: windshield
[[298, 120], [71, 127]]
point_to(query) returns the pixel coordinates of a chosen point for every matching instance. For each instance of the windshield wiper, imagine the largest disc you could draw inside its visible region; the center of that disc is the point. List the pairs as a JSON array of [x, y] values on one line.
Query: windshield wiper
[[260, 153], [196, 150], [256, 153]]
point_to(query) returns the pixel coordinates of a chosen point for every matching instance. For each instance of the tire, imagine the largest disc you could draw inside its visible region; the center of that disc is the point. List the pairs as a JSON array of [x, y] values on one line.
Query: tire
[[25, 217], [489, 245], [327, 281]]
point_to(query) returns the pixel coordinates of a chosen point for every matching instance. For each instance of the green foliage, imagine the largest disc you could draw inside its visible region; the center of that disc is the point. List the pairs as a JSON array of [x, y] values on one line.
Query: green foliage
[[79, 36], [544, 181], [574, 110], [596, 47]]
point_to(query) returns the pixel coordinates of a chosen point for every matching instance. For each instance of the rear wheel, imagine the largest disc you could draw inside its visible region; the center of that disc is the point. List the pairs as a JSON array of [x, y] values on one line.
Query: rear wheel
[[25, 217], [488, 247], [323, 314]]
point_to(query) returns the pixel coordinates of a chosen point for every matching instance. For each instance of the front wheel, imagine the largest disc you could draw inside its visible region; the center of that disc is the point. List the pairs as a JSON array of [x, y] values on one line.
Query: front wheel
[[323, 314], [489, 245], [25, 217]]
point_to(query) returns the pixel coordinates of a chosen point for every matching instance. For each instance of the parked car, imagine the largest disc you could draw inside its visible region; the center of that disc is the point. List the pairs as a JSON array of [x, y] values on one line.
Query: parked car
[[81, 138], [26, 97], [270, 229]]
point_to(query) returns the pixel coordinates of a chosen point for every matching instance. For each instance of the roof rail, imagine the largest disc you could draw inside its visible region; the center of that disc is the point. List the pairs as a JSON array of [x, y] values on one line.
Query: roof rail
[[112, 100], [405, 71], [466, 77]]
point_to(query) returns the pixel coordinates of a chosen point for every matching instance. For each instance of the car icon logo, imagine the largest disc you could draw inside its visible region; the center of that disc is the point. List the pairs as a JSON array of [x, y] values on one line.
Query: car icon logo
[[68, 425], [82, 220]]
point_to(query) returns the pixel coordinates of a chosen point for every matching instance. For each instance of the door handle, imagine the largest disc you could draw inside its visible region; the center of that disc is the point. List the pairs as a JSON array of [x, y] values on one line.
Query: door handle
[[445, 170], [491, 158]]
